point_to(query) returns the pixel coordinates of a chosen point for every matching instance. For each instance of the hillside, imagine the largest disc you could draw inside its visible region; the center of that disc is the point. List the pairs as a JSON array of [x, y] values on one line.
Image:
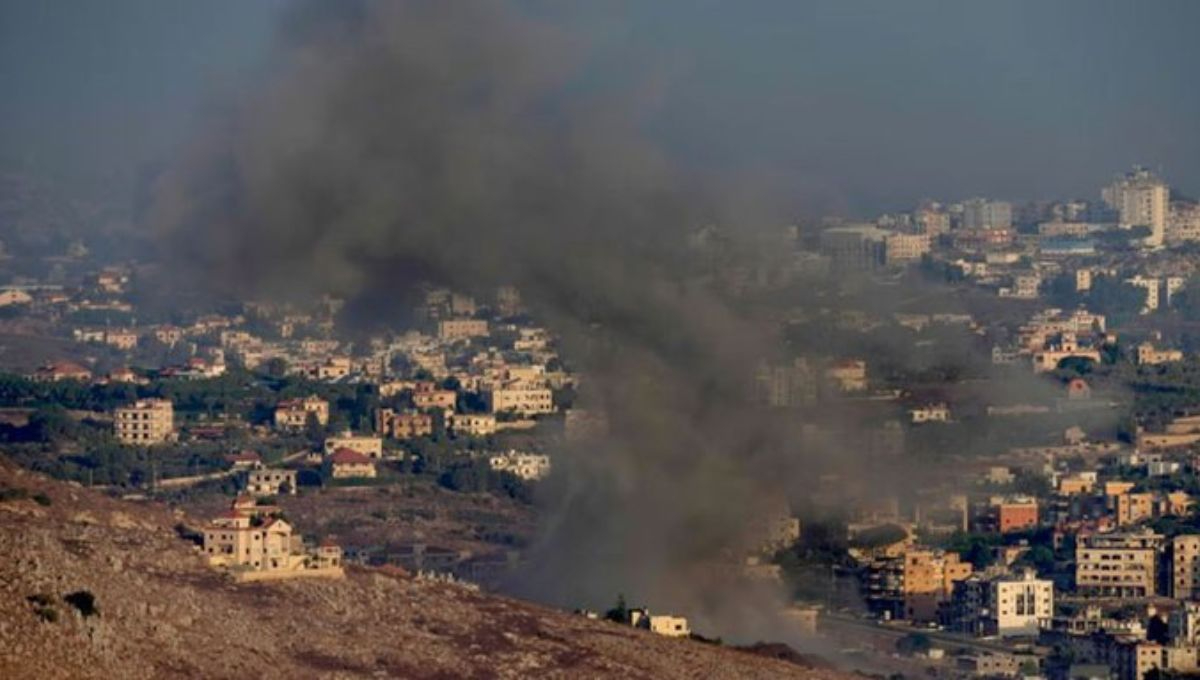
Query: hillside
[[156, 611]]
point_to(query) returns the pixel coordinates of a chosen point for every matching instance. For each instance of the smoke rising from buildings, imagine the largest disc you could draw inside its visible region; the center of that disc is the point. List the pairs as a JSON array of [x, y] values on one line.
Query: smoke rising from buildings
[[472, 144]]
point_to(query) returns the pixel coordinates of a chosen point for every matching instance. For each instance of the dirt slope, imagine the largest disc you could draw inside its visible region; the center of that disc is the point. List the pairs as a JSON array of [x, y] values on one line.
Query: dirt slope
[[159, 612]]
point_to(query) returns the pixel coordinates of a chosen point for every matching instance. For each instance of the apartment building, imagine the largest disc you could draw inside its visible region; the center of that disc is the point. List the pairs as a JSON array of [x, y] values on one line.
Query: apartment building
[[462, 329], [520, 400], [527, 466], [146, 421], [1117, 565], [473, 424], [263, 481], [368, 445], [1008, 605], [403, 425], [911, 585]]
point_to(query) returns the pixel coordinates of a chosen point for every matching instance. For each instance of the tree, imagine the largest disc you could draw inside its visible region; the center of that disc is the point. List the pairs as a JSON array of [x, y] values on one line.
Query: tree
[[1116, 299], [619, 613]]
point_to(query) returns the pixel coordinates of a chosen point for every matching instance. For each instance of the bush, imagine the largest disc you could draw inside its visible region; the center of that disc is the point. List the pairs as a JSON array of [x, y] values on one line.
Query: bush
[[41, 499], [84, 601]]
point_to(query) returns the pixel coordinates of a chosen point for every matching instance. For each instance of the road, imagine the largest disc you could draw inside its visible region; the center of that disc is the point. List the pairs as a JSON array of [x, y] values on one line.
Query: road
[[949, 641]]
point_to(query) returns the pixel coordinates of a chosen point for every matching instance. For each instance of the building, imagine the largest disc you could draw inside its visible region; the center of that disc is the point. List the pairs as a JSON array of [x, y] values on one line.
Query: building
[[1015, 514], [1008, 605], [671, 626], [293, 414], [462, 329], [1151, 286], [1183, 222], [264, 481], [234, 540], [785, 385], [58, 371], [350, 464], [367, 445], [1183, 566], [442, 400], [473, 424], [904, 248], [1146, 354], [911, 585], [1141, 200], [146, 421], [1118, 564], [855, 247], [520, 400], [930, 413], [403, 425], [527, 466], [980, 213]]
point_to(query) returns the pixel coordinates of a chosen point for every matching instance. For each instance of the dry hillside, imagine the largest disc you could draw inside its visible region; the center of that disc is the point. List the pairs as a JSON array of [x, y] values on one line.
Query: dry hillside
[[153, 610]]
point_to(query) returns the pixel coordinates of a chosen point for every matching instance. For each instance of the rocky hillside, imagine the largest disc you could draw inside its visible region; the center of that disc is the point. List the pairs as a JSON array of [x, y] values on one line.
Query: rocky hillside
[[92, 587]]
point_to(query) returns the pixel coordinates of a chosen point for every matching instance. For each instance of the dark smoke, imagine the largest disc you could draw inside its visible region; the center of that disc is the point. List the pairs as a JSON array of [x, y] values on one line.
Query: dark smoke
[[475, 144]]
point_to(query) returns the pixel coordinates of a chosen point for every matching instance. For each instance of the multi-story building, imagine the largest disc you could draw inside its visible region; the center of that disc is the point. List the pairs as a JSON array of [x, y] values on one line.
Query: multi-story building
[[1141, 200], [849, 375], [473, 424], [520, 400], [1183, 222], [234, 540], [461, 329], [1117, 565], [1008, 605], [1183, 566], [1015, 514], [980, 213], [389, 423], [349, 464], [1146, 354], [435, 399], [1151, 286], [264, 481], [902, 248], [855, 247], [293, 414], [146, 421], [786, 385], [911, 585]]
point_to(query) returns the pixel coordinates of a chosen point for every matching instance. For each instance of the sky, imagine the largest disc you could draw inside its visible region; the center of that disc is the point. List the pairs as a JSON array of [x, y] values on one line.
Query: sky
[[848, 106]]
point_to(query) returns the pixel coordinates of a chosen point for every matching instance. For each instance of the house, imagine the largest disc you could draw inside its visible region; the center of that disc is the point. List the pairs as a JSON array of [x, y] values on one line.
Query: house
[[369, 446], [473, 424], [61, 370], [293, 414], [435, 399], [930, 413], [253, 547], [527, 466], [403, 425], [670, 626], [264, 481], [350, 464], [514, 398]]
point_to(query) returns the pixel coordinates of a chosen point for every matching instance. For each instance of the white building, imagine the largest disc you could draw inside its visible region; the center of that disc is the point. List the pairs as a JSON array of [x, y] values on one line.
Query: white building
[[930, 413], [367, 445], [264, 481], [1141, 199], [1150, 285], [1008, 605], [527, 466]]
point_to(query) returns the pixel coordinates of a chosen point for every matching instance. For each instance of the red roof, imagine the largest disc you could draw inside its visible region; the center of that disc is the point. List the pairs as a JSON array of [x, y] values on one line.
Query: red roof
[[344, 456], [243, 457]]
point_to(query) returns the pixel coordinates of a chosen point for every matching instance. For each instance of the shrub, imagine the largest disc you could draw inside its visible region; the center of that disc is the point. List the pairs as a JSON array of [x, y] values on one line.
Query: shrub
[[41, 499], [84, 601]]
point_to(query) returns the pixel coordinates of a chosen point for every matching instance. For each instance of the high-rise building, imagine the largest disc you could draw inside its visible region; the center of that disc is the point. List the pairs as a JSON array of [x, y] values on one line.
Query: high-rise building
[[1140, 199]]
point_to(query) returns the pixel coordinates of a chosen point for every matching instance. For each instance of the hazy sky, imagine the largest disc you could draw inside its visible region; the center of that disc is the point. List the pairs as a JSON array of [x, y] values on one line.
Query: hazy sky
[[862, 105]]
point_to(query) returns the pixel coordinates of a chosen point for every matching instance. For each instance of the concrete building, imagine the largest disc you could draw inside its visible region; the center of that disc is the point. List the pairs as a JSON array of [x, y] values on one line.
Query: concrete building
[[1015, 514], [396, 425], [1140, 200], [1008, 605], [441, 400], [848, 375], [911, 585], [520, 400], [293, 414], [146, 421], [1183, 222], [264, 481], [473, 424], [980, 213], [368, 445], [1151, 286], [930, 413], [350, 464], [527, 466], [233, 540], [1117, 565], [786, 385], [900, 249], [462, 329], [1146, 354], [855, 247]]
